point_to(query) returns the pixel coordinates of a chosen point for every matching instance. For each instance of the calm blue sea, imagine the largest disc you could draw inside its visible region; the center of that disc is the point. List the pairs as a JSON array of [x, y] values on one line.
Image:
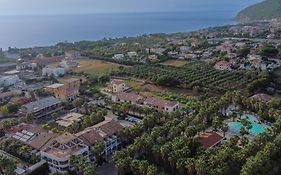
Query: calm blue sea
[[42, 30]]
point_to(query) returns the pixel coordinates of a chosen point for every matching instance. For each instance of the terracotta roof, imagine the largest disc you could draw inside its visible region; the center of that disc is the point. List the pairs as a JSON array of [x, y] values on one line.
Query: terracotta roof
[[90, 137], [66, 137], [99, 131], [209, 139], [160, 103], [118, 82], [129, 96], [42, 140], [111, 127]]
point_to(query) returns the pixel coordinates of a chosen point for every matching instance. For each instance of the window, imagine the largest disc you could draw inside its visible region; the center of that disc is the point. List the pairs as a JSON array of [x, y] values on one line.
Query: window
[[64, 162]]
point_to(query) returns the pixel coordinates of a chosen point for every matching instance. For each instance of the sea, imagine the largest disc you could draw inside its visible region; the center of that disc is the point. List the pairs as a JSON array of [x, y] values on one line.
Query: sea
[[44, 30]]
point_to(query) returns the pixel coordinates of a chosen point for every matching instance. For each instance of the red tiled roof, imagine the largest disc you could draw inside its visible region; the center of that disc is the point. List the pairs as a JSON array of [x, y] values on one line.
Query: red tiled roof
[[209, 139], [42, 140], [117, 82], [160, 103], [129, 97], [110, 128], [90, 137]]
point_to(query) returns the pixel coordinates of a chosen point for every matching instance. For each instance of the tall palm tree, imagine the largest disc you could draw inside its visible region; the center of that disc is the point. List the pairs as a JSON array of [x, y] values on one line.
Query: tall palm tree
[[200, 166], [190, 165]]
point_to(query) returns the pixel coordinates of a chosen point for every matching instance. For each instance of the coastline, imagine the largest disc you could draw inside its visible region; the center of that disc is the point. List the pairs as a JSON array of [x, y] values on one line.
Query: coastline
[[54, 29]]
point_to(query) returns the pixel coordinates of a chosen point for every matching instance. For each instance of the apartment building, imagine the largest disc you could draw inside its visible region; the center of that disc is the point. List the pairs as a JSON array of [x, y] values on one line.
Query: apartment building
[[42, 108], [68, 90], [106, 132], [60, 149]]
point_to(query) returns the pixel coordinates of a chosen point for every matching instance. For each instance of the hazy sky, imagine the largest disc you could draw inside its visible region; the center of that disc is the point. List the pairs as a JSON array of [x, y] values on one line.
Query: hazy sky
[[16, 7]]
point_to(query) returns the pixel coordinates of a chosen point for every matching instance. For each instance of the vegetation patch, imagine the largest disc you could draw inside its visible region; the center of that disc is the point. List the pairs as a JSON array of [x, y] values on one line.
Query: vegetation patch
[[96, 67], [175, 63]]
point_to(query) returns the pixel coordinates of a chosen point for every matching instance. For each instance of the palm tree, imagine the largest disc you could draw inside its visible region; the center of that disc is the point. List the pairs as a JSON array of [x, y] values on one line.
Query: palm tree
[[190, 165], [200, 166], [224, 128]]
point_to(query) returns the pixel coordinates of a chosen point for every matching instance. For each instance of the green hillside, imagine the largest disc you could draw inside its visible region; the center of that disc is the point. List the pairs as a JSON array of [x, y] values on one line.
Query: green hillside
[[268, 9]]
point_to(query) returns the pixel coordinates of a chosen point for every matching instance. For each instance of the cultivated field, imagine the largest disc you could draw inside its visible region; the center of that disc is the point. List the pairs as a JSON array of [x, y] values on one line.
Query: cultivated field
[[96, 67], [175, 63]]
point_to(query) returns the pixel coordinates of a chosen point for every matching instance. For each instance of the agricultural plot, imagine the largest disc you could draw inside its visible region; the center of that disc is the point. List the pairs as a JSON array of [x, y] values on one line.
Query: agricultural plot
[[191, 75]]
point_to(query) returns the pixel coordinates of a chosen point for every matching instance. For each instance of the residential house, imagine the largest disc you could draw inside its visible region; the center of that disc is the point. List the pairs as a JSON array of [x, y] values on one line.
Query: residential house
[[118, 86], [153, 58], [9, 80], [68, 64], [185, 49], [118, 57], [158, 51], [58, 151], [210, 139], [223, 65], [25, 133], [132, 54], [44, 61], [131, 98], [159, 104], [67, 90], [56, 71], [42, 108], [72, 54], [26, 66]]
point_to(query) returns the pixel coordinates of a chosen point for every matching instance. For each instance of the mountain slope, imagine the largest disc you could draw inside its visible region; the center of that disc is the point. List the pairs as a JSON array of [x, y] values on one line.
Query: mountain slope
[[268, 9]]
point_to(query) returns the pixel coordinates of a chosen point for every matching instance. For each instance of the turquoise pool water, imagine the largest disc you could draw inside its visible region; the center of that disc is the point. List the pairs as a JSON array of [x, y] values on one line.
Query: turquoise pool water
[[255, 130]]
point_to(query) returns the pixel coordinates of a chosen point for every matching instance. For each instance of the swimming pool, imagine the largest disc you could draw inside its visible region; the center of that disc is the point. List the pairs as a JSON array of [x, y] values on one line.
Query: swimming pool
[[255, 130]]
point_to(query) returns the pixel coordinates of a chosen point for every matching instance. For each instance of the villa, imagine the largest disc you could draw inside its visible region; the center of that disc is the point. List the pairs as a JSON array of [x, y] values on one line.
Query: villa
[[159, 104], [118, 86], [67, 91]]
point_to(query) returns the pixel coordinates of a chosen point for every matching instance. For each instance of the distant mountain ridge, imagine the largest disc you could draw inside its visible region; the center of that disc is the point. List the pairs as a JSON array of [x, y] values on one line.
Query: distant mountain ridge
[[265, 10]]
